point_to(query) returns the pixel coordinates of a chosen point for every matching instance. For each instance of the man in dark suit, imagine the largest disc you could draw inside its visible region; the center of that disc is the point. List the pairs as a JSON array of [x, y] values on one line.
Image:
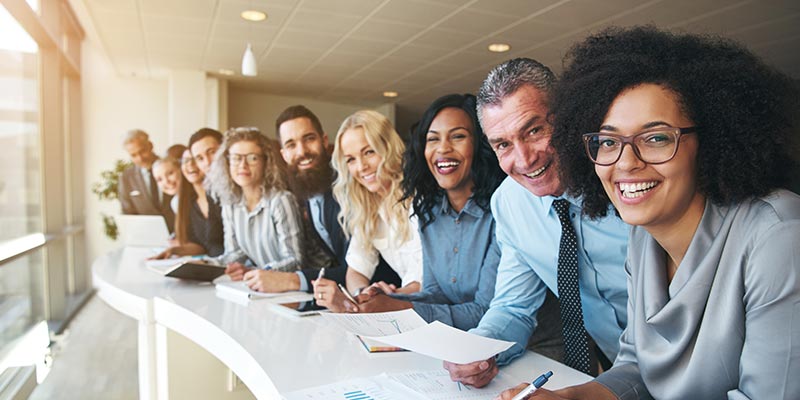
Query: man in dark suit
[[137, 192], [305, 148]]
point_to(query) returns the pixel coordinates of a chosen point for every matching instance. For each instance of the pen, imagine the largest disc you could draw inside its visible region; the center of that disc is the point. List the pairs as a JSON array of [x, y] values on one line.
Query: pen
[[347, 294], [539, 382], [319, 276]]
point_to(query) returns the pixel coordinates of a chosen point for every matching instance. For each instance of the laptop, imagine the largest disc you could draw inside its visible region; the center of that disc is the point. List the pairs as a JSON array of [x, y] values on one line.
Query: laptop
[[143, 230]]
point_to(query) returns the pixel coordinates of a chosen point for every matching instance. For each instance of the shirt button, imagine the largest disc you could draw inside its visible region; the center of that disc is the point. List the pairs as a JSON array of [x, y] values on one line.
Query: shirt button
[[458, 221], [455, 249], [573, 215], [453, 279]]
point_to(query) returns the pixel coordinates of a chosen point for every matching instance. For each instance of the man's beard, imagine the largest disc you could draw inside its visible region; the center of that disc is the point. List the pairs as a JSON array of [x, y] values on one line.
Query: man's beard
[[309, 182]]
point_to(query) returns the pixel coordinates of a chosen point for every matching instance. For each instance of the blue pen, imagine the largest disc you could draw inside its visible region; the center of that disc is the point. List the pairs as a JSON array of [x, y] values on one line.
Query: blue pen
[[539, 382]]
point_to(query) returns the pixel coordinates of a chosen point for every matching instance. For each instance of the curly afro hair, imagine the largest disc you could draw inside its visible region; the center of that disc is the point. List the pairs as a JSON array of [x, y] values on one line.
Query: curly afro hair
[[744, 109]]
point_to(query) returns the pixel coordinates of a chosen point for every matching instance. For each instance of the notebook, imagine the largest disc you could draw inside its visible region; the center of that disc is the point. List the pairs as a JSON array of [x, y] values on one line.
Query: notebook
[[194, 270]]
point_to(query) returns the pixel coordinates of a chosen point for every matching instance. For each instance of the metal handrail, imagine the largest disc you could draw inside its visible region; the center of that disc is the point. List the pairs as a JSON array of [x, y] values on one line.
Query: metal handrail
[[15, 248]]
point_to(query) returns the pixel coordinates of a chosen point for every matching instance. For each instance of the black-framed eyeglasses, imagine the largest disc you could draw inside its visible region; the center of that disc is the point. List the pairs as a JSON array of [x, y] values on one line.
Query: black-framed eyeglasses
[[654, 146], [250, 158]]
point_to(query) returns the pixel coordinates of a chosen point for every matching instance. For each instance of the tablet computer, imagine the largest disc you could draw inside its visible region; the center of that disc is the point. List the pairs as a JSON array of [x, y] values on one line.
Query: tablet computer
[[302, 308], [194, 270]]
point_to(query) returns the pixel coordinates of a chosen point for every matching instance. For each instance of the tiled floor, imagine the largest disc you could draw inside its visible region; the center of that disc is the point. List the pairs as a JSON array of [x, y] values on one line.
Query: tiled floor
[[96, 360]]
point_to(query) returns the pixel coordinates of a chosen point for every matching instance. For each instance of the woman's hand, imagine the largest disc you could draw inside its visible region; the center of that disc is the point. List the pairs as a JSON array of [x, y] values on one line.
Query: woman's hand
[[236, 271], [378, 303], [328, 295]]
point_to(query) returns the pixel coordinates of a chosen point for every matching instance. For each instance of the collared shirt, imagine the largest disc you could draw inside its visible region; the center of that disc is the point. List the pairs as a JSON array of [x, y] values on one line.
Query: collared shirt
[[529, 232], [405, 258], [270, 236], [315, 208], [459, 257]]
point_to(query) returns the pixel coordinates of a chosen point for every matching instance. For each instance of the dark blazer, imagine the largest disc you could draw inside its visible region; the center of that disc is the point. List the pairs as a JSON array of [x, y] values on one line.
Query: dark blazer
[[135, 199], [330, 214]]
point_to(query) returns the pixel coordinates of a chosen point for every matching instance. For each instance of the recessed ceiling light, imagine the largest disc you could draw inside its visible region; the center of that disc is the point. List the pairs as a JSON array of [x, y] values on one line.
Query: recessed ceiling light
[[253, 15], [389, 94], [499, 47], [224, 71]]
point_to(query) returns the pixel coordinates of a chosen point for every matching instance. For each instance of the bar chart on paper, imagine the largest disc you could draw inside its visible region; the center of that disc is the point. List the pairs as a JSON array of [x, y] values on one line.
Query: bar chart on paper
[[375, 388]]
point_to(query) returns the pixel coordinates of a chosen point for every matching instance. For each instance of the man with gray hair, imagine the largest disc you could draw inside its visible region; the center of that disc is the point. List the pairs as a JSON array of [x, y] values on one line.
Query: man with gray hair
[[545, 240], [137, 190]]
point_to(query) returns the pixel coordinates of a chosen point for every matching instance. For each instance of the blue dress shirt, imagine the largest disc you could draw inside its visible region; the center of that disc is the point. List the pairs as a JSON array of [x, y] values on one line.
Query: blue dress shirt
[[459, 258], [528, 233]]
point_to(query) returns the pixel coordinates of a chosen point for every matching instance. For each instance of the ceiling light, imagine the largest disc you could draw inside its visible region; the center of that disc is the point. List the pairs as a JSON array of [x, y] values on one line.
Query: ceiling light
[[224, 71], [249, 67], [499, 47], [389, 94], [253, 15]]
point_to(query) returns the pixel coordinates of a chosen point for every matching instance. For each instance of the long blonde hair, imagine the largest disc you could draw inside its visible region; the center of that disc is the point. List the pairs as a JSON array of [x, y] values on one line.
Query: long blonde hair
[[359, 214]]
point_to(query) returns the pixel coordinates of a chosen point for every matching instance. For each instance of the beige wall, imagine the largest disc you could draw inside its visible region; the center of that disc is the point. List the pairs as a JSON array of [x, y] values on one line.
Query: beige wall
[[111, 106], [251, 108]]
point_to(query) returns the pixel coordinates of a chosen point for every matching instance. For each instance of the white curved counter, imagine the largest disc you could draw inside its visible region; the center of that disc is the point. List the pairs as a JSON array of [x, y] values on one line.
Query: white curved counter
[[270, 352]]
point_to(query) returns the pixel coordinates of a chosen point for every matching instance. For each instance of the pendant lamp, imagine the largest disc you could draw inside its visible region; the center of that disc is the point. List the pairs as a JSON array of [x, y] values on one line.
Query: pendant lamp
[[249, 67]]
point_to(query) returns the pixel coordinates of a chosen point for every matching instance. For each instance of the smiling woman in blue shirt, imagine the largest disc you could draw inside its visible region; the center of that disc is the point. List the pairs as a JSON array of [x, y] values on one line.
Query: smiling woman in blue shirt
[[450, 173]]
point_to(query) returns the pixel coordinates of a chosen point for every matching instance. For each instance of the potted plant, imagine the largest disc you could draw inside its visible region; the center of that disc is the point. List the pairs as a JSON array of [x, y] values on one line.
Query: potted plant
[[107, 189]]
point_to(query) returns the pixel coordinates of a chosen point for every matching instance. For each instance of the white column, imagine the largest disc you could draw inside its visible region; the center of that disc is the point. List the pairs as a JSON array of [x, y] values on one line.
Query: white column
[[187, 104]]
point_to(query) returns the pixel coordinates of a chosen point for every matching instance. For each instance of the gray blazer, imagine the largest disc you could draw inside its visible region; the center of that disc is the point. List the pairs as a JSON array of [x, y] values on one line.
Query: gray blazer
[[134, 197], [728, 325]]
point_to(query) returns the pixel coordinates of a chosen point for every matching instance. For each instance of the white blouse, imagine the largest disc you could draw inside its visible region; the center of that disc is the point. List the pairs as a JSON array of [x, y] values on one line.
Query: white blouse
[[405, 258]]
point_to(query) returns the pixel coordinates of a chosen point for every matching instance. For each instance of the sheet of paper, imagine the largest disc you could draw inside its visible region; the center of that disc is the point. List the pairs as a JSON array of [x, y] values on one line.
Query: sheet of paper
[[239, 287], [444, 342], [379, 387], [166, 264], [378, 324], [436, 385]]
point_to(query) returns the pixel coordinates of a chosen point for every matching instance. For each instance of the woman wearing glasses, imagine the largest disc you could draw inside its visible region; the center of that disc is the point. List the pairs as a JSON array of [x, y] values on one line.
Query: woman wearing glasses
[[368, 158], [691, 144], [260, 218]]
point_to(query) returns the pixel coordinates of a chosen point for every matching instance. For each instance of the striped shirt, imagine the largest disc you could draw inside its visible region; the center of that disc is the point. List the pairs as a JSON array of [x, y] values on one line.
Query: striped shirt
[[269, 237]]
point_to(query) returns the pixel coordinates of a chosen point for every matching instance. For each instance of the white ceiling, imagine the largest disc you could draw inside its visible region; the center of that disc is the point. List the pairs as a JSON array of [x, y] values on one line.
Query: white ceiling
[[350, 51]]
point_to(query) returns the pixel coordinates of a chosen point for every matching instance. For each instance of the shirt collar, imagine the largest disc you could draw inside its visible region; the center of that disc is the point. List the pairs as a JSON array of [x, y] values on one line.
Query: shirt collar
[[471, 207]]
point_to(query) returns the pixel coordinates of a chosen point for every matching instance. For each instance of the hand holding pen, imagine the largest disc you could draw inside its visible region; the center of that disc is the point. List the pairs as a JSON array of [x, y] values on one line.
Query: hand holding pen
[[530, 389]]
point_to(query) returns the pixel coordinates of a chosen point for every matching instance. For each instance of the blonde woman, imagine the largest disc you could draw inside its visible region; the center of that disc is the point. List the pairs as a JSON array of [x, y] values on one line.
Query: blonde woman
[[368, 157], [262, 227]]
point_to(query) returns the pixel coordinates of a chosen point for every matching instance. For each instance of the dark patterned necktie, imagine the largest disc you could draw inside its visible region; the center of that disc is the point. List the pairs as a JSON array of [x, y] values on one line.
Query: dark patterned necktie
[[154, 190], [576, 346]]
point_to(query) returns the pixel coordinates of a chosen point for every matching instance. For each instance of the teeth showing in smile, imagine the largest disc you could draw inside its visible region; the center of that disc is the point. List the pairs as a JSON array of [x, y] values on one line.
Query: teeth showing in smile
[[368, 177], [447, 164], [538, 172], [633, 190], [305, 162]]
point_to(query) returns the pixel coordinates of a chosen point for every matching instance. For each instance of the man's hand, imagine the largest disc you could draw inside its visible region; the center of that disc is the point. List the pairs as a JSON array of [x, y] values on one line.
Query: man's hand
[[478, 373], [588, 391], [236, 271], [269, 281]]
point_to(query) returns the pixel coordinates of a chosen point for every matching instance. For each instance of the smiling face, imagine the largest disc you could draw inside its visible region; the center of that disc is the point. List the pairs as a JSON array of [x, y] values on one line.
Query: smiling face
[[190, 169], [168, 177], [518, 132], [652, 196], [141, 152], [302, 147], [449, 149], [243, 173], [362, 160], [203, 151]]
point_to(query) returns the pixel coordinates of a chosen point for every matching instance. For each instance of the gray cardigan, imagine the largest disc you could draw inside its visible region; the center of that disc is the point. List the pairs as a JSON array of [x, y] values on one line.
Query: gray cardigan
[[728, 325]]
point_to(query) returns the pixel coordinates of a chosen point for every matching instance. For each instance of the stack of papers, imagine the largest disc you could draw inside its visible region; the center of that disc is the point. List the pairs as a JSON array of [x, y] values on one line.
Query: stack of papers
[[407, 330], [238, 291], [415, 385]]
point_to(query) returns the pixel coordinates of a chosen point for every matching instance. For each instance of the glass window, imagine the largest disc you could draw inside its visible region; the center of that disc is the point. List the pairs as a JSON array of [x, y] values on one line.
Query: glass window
[[20, 182], [20, 307]]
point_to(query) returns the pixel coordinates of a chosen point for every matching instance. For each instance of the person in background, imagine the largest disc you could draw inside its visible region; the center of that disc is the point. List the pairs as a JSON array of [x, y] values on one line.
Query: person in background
[[368, 158], [305, 149], [450, 172], [167, 172], [138, 191], [198, 219], [694, 149], [263, 229], [545, 240], [175, 151]]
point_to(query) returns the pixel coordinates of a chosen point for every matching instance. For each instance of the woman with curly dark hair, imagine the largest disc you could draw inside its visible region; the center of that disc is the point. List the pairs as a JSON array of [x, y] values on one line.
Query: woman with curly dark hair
[[689, 139], [450, 173]]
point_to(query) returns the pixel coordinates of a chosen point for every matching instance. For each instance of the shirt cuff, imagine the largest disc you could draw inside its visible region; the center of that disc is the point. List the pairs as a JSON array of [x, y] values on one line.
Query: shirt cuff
[[625, 381], [303, 281]]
